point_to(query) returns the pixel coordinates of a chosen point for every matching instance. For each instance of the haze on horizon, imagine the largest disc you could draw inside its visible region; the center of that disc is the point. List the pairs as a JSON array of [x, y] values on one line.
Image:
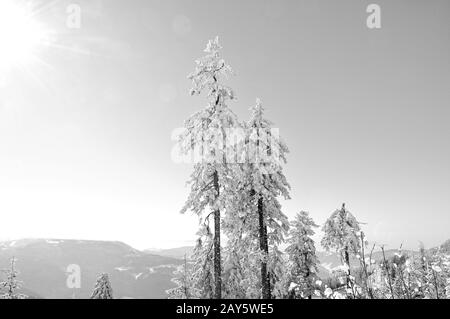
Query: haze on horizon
[[85, 129]]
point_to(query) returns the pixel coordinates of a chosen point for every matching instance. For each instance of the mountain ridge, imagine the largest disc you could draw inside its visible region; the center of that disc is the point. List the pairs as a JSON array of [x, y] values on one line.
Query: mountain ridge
[[43, 266]]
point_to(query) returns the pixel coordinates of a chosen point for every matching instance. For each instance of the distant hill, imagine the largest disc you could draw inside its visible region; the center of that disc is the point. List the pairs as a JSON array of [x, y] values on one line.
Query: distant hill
[[43, 262], [179, 252]]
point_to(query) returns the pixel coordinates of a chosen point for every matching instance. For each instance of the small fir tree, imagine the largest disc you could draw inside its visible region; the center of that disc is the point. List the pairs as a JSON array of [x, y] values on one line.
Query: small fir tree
[[102, 289], [302, 255], [342, 234], [10, 285]]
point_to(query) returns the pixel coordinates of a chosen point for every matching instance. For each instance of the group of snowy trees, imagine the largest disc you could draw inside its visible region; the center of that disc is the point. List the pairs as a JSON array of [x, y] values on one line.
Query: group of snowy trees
[[424, 275], [235, 188]]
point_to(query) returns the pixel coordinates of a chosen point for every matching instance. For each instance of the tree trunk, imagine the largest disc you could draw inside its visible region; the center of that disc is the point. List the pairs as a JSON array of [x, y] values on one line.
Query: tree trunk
[[308, 275], [264, 247], [217, 258], [347, 261], [186, 289]]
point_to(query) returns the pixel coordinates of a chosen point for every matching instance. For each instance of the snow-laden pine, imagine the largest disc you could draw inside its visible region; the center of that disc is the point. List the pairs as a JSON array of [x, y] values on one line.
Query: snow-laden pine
[[10, 286], [342, 234], [258, 226], [205, 135], [102, 288], [303, 261]]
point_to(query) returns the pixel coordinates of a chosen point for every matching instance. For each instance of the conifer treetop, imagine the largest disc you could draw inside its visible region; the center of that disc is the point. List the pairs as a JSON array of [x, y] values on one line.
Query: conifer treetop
[[209, 71], [342, 231], [303, 222], [266, 152], [206, 130]]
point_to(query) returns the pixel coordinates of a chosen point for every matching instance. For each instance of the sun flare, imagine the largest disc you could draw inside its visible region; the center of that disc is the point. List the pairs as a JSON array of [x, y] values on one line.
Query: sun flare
[[20, 35]]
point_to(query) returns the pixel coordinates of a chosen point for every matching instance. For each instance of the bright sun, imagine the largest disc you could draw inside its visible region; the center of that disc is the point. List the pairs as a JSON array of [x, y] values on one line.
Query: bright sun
[[20, 35]]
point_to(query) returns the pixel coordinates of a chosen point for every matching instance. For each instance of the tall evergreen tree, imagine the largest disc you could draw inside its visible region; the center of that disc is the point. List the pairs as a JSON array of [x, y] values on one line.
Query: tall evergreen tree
[[11, 284], [342, 235], [102, 289], [264, 182], [302, 254], [206, 132]]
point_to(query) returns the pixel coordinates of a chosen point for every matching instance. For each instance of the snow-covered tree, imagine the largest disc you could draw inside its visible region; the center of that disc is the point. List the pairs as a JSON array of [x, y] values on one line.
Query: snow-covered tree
[[10, 285], [102, 288], [241, 262], [302, 255], [341, 233], [263, 182], [185, 288], [205, 133], [241, 254], [278, 273], [202, 280], [241, 280]]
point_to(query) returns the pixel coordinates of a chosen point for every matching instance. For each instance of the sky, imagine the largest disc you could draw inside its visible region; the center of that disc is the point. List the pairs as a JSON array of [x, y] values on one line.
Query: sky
[[86, 125]]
